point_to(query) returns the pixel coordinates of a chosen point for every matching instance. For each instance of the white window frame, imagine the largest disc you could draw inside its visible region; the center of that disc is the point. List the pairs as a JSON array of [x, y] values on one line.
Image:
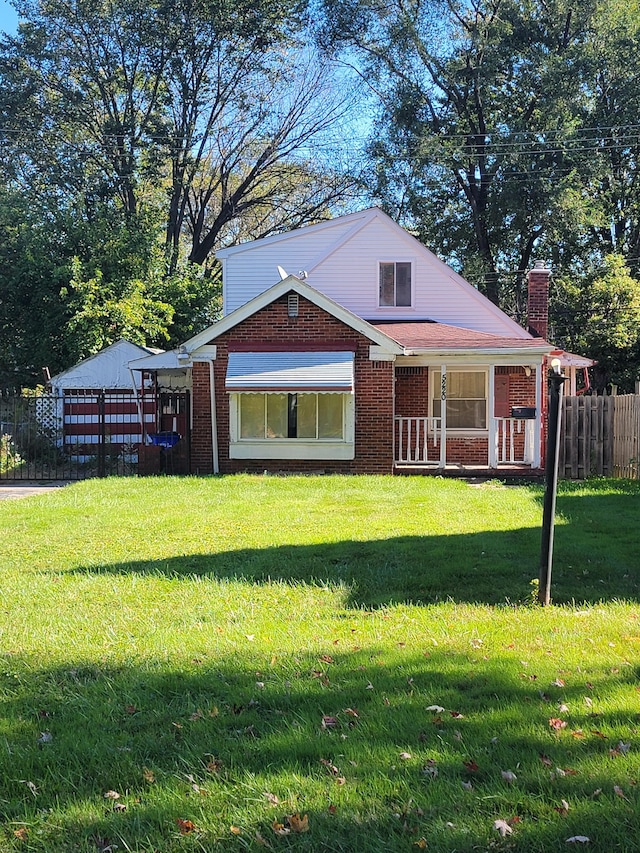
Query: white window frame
[[435, 391], [396, 261], [292, 448]]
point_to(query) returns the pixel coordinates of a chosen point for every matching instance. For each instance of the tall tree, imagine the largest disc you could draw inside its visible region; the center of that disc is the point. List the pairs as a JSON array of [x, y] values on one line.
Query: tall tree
[[143, 135], [209, 100], [487, 138]]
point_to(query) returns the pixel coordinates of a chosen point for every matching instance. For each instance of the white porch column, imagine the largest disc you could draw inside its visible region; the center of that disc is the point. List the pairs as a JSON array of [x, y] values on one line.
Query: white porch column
[[540, 378], [491, 410], [443, 415]]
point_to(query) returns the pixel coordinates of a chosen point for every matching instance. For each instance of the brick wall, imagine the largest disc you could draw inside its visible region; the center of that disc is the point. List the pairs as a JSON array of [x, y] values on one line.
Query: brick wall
[[272, 328]]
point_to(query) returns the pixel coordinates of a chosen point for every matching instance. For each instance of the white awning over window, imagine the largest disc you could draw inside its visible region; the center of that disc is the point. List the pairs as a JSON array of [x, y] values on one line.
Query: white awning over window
[[290, 371]]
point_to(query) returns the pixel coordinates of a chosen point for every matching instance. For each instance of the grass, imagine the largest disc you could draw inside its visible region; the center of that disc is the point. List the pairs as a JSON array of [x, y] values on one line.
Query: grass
[[220, 655]]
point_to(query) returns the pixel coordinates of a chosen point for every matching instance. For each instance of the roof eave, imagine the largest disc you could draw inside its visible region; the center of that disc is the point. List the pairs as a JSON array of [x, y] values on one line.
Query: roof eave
[[479, 351]]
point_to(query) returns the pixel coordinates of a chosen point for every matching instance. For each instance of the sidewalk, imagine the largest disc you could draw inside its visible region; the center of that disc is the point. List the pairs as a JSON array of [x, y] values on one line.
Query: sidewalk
[[25, 489]]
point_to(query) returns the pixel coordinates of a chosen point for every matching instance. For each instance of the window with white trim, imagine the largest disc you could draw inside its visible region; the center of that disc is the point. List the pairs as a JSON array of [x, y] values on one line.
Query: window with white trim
[[394, 284], [307, 416], [466, 398]]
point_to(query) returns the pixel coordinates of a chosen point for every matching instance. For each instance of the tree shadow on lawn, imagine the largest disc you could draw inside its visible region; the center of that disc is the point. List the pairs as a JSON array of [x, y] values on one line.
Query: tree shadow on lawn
[[491, 567], [202, 743]]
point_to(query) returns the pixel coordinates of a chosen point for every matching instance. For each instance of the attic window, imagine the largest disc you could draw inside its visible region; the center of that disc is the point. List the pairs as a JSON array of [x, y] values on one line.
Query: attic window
[[293, 305], [395, 284]]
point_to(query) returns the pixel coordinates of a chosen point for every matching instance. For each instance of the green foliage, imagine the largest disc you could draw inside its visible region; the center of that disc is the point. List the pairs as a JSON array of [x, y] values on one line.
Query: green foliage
[[599, 314], [103, 312], [136, 139]]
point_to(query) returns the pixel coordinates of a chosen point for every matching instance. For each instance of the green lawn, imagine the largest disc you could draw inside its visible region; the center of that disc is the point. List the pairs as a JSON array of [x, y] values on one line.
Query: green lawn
[[318, 664]]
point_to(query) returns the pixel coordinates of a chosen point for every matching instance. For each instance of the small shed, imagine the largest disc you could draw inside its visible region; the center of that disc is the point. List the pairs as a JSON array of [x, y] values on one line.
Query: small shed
[[95, 401]]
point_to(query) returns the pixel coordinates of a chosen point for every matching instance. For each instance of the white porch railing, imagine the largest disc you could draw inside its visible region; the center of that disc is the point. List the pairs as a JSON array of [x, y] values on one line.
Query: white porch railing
[[514, 441], [417, 441]]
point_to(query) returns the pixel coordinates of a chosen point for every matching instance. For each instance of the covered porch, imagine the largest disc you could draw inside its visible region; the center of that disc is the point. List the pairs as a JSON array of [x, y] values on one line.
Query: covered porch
[[457, 415]]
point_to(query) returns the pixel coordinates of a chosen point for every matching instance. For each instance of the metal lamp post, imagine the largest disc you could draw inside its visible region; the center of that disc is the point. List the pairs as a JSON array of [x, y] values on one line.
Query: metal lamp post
[[556, 381]]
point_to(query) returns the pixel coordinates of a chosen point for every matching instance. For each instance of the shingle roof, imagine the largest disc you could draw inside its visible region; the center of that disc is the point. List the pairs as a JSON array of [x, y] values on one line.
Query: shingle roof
[[428, 334]]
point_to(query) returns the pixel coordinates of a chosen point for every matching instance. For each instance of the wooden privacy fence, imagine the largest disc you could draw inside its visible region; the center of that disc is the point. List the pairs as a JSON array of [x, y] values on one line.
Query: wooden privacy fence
[[600, 436], [586, 437], [626, 436]]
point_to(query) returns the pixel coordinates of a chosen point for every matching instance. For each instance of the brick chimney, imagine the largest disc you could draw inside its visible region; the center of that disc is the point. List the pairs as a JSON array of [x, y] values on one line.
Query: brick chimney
[[538, 300]]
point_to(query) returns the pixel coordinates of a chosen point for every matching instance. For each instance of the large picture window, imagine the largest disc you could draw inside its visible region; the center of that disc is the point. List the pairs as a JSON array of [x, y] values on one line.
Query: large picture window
[[466, 398], [395, 284], [310, 417]]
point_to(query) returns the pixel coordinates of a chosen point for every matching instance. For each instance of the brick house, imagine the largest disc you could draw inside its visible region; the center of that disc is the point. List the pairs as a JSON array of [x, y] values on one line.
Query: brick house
[[375, 358]]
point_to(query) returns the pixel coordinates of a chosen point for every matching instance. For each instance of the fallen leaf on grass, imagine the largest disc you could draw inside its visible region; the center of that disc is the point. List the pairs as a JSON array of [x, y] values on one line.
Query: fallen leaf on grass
[[471, 766], [111, 795], [545, 760], [297, 823], [437, 709], [262, 841], [502, 827], [405, 756], [148, 775], [21, 833], [235, 830], [31, 786], [272, 799], [280, 828], [329, 722], [598, 734], [430, 768], [331, 768], [621, 749], [563, 808], [579, 839], [214, 765], [557, 724], [421, 844], [119, 807], [326, 659], [186, 826], [508, 776], [617, 790], [558, 683]]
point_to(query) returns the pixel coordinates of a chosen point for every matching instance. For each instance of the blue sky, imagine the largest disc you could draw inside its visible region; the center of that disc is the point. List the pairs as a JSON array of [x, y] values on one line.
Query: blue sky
[[8, 17]]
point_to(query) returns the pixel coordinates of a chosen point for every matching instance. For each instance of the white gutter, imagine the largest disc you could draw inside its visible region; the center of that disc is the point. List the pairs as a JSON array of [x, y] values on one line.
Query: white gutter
[[214, 426], [452, 353]]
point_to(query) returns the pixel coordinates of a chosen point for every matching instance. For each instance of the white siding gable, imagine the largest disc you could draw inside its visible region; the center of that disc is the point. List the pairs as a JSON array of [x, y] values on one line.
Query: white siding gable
[[250, 268], [342, 259]]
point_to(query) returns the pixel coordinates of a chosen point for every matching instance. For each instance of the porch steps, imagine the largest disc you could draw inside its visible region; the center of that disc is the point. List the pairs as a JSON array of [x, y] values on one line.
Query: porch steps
[[505, 473]]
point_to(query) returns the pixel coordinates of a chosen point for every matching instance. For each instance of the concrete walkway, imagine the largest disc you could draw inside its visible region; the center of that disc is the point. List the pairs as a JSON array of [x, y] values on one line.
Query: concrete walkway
[[26, 488]]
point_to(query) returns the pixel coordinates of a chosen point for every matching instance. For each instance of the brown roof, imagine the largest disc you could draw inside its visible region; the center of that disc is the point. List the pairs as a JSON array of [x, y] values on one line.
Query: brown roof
[[428, 334]]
